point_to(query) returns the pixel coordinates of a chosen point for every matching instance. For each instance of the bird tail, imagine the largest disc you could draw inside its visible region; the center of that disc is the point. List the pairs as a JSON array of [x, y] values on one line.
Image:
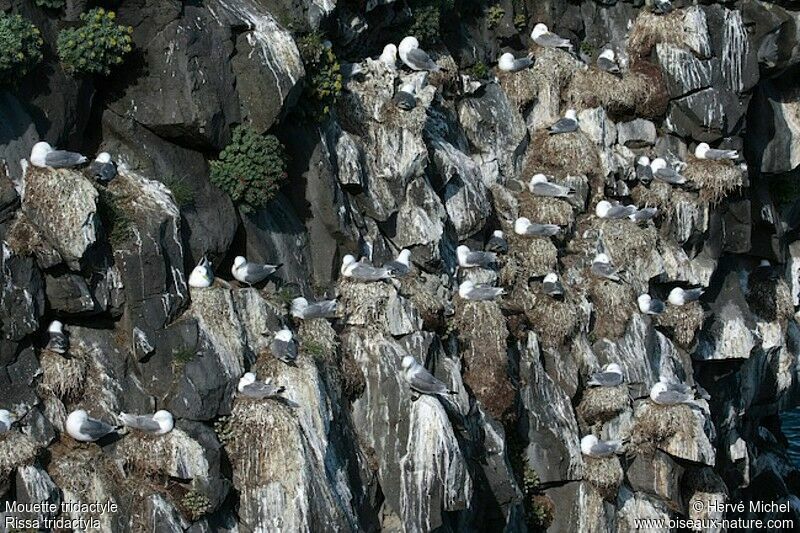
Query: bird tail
[[278, 266], [126, 419]]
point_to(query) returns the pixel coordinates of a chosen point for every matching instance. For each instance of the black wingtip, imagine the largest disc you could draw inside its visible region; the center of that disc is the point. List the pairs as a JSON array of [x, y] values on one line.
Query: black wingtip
[[278, 266]]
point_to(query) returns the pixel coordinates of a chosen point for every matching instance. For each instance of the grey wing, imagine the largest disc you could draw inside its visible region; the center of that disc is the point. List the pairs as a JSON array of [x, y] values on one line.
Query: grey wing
[[692, 294], [553, 288], [369, 273], [644, 173], [95, 429], [497, 245], [672, 397], [404, 100], [663, 6], [564, 125], [254, 272], [607, 65], [483, 259], [551, 189], [107, 172], [721, 154], [261, 389], [522, 63], [142, 423], [58, 343], [657, 306], [324, 309], [395, 268], [543, 230], [423, 381], [606, 379], [604, 270], [670, 176], [285, 351], [4, 427], [484, 293], [421, 60], [63, 159], [644, 214], [552, 40], [605, 449]]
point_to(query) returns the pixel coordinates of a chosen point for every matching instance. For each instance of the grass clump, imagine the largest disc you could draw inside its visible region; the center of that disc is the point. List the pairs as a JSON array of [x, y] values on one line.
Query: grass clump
[[479, 70], [682, 321], [614, 304], [20, 47], [250, 169], [426, 17], [520, 23], [181, 357], [96, 46], [195, 503], [539, 509], [182, 192], [323, 74], [117, 222], [223, 429], [494, 14], [715, 179]]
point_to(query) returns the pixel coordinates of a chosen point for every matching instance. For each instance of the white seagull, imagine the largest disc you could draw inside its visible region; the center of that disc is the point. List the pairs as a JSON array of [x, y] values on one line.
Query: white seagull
[[360, 271], [615, 211], [401, 265], [202, 275], [610, 376], [497, 243], [414, 57], [103, 169], [662, 7], [663, 172], [422, 381], [523, 226], [83, 428], [406, 97], [469, 259], [389, 56], [304, 310], [469, 291], [159, 423], [43, 155], [679, 296], [551, 286], [542, 36], [250, 273], [666, 393], [649, 305], [591, 446], [5, 420], [58, 341], [567, 124], [602, 268], [248, 386], [508, 63], [607, 61], [284, 347], [643, 215], [540, 185], [643, 171], [704, 151]]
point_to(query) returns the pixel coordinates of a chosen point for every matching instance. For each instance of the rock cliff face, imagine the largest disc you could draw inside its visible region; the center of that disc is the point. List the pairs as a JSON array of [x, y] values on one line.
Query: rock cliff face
[[351, 447]]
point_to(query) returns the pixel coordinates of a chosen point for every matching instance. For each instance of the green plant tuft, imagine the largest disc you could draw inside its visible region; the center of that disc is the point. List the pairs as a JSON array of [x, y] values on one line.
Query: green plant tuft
[[96, 46], [323, 74], [479, 70], [223, 429], [20, 47], [587, 48], [115, 219], [50, 4], [250, 169], [494, 14], [195, 503], [182, 192], [520, 22]]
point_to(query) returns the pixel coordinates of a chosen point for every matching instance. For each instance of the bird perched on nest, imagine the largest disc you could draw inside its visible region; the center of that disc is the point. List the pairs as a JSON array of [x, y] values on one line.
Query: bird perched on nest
[[551, 286], [663, 172], [414, 57], [202, 275], [643, 215], [704, 151], [469, 259], [361, 271], [566, 124], [259, 390], [497, 243], [649, 305], [508, 63], [406, 97], [591, 446], [642, 169], [159, 423], [389, 56], [542, 36], [607, 61], [400, 266], [526, 228], [540, 185], [43, 155], [615, 211], [670, 393], [422, 381], [251, 273], [81, 427], [662, 7], [679, 296], [602, 268], [302, 309], [103, 169], [610, 376], [469, 291], [5, 420], [57, 342], [284, 347]]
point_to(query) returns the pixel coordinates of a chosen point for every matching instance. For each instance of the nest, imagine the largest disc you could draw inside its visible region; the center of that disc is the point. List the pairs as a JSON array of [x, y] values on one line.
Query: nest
[[641, 92], [682, 321], [769, 299], [528, 257], [715, 179], [614, 304], [521, 87], [601, 404], [656, 194], [565, 154], [654, 425], [650, 29], [68, 469], [554, 321], [545, 210], [161, 455], [604, 473], [16, 449], [62, 377], [426, 294], [627, 241], [317, 340], [364, 304]]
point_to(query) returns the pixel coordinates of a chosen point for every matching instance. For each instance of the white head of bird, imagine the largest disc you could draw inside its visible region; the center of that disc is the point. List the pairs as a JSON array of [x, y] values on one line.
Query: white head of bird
[[539, 30], [608, 53], [55, 327], [299, 303], [465, 287], [39, 153], [602, 209], [765, 263], [521, 225], [676, 296], [103, 157], [643, 161], [701, 150], [497, 233], [602, 258], [165, 420], [284, 335], [408, 362], [347, 262], [658, 388], [462, 252], [552, 277], [247, 379], [571, 114], [407, 44], [644, 302], [506, 61], [389, 53], [404, 256], [658, 163], [538, 178], [5, 417], [199, 276], [239, 261], [587, 443], [614, 367]]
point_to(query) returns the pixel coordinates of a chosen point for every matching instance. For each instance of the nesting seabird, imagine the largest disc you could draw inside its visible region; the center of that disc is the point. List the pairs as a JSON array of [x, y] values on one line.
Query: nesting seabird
[[663, 172], [422, 381], [567, 124], [469, 291], [643, 171], [43, 155], [540, 185], [284, 347], [302, 309], [389, 56], [615, 211], [508, 63], [159, 423], [704, 151], [649, 305], [644, 214], [469, 259], [202, 275], [401, 265], [360, 271], [607, 61], [405, 98], [591, 446], [662, 7], [81, 427], [414, 57], [523, 226], [5, 420], [57, 342], [250, 273], [248, 386], [610, 376], [666, 393], [542, 36], [679, 296], [551, 286], [103, 169], [497, 243], [602, 268]]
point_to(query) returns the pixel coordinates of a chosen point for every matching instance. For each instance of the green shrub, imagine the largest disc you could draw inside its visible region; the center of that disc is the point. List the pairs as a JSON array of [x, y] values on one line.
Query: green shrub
[[587, 48], [520, 22], [479, 70], [96, 46], [182, 192], [426, 16], [494, 15], [20, 47], [323, 74], [50, 4], [250, 169], [117, 222]]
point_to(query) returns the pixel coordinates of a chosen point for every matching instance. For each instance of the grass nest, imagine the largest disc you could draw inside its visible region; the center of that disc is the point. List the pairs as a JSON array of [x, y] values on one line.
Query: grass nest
[[562, 155], [527, 257], [24, 239], [682, 321], [545, 210], [656, 194], [364, 304], [627, 241], [63, 377], [654, 425], [521, 87], [604, 474], [425, 292], [601, 404], [714, 179], [16, 449], [770, 299], [317, 340], [702, 484], [614, 305], [554, 321], [650, 29], [158, 455]]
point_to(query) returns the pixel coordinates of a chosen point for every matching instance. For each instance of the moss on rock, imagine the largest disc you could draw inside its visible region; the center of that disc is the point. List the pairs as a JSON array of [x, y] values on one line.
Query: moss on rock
[[614, 304]]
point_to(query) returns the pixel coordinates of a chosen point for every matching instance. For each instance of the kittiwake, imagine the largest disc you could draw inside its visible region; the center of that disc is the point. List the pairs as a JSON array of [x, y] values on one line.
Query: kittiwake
[[497, 243], [5, 420], [591, 446], [405, 98], [414, 57], [649, 305], [57, 342], [250, 387], [602, 268], [81, 427], [542, 36], [615, 211], [159, 423], [551, 286], [360, 271], [540, 185], [607, 61], [400, 266], [469, 259], [523, 226], [643, 171], [665, 173], [508, 63], [389, 56], [284, 347], [250, 273], [666, 393], [567, 124], [422, 381], [610, 376], [644, 214], [103, 169], [469, 291], [662, 7], [43, 155], [302, 309], [679, 296], [703, 151]]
